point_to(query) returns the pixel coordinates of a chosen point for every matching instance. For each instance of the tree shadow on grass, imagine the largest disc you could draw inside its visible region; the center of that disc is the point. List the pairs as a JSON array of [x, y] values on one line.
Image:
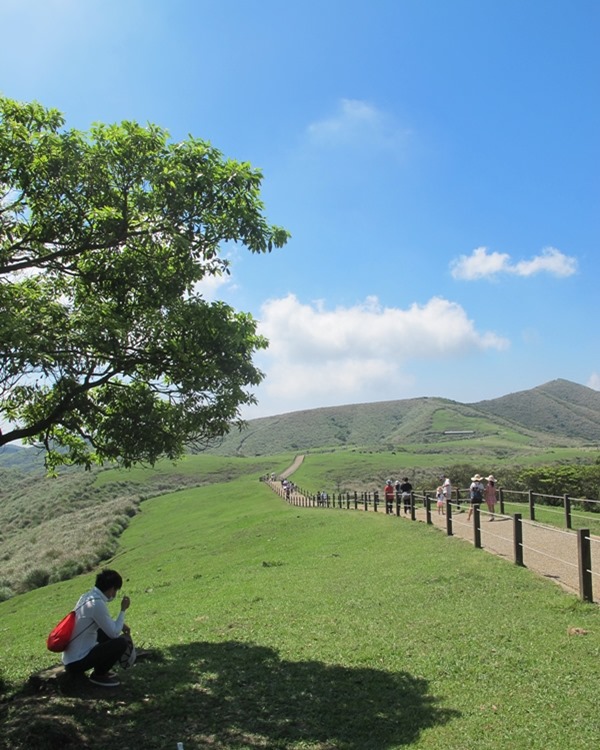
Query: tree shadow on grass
[[239, 695], [233, 696]]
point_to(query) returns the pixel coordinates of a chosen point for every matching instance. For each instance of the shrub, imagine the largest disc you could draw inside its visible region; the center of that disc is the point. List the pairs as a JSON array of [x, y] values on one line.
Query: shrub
[[67, 570], [35, 579]]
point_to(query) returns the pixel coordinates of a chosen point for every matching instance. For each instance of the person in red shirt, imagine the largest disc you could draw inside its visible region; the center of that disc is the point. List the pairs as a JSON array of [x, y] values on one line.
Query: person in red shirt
[[389, 493]]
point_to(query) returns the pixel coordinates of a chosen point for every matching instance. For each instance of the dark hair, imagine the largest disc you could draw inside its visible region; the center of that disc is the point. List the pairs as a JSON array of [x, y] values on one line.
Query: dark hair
[[107, 579]]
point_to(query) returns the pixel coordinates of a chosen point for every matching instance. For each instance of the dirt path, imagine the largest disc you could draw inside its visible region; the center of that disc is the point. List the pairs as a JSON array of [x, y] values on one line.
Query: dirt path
[[547, 550], [291, 469]]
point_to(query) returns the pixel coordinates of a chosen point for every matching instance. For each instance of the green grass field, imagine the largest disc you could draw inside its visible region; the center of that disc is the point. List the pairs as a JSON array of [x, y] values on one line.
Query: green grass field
[[281, 627]]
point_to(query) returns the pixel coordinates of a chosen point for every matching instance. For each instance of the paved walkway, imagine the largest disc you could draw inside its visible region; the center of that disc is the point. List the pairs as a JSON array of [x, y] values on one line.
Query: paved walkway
[[547, 550]]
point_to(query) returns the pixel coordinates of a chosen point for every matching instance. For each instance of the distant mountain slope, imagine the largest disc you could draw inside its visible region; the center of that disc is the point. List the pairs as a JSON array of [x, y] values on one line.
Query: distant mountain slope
[[558, 407], [557, 413]]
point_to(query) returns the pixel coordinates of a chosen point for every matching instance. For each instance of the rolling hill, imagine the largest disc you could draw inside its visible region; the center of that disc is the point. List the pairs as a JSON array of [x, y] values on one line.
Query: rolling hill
[[559, 413], [558, 408]]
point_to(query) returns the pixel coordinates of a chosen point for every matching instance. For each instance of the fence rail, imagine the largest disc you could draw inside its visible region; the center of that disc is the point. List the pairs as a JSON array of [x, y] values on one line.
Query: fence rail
[[520, 544]]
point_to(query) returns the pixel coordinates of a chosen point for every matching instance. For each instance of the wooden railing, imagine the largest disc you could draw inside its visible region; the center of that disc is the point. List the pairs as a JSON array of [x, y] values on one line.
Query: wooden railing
[[562, 505]]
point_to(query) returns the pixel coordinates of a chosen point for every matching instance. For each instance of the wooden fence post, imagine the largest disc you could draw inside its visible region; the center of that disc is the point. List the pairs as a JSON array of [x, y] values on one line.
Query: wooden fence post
[[428, 510], [518, 539], [531, 505], [375, 500], [477, 526], [584, 554], [568, 520], [448, 517], [413, 515]]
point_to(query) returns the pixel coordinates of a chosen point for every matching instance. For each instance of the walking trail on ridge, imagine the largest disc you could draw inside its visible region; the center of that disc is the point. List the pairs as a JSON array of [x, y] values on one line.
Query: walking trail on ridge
[[548, 550]]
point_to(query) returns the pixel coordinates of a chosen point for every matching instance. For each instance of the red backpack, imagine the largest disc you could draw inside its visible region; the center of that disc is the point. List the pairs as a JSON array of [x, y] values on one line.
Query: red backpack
[[60, 636]]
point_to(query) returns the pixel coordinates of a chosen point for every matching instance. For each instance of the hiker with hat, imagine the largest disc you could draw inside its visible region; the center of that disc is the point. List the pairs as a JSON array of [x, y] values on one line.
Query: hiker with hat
[[447, 485], [475, 493], [490, 495]]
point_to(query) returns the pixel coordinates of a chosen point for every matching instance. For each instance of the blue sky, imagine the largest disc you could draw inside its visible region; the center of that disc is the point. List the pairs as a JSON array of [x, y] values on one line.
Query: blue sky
[[437, 163]]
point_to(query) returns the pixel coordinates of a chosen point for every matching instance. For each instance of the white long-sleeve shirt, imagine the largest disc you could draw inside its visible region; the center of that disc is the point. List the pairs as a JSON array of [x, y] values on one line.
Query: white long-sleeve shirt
[[91, 615]]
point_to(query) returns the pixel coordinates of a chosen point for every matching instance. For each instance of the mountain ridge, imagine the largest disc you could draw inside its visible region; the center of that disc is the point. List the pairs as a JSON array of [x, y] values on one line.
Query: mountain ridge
[[559, 412], [556, 414]]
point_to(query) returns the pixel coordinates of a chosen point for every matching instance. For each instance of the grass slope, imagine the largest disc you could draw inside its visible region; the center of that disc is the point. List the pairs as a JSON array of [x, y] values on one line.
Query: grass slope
[[559, 414], [280, 627], [52, 528], [558, 407]]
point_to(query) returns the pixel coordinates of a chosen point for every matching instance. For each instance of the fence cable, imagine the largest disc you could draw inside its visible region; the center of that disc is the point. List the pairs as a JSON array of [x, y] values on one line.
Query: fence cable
[[508, 539], [551, 557], [545, 527]]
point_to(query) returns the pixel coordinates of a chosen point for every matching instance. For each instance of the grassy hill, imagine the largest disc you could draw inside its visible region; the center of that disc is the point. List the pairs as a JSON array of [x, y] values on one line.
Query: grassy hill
[[301, 629], [558, 414], [52, 528], [559, 408]]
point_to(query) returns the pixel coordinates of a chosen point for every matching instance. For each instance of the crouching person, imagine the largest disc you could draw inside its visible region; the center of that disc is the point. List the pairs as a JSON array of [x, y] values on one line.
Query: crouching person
[[99, 642]]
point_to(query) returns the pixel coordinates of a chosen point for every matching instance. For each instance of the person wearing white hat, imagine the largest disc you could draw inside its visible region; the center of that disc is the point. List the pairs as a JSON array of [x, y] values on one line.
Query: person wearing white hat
[[476, 493], [448, 490], [490, 495]]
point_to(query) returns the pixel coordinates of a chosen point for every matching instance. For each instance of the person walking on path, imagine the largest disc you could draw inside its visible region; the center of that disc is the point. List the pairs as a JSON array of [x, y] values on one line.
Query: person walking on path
[[389, 493], [475, 493], [490, 495], [406, 490], [440, 500], [448, 492]]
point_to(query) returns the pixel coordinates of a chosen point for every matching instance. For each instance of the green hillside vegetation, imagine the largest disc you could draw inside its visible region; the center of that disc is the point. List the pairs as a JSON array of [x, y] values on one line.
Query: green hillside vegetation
[[52, 528], [558, 408], [308, 629], [557, 415]]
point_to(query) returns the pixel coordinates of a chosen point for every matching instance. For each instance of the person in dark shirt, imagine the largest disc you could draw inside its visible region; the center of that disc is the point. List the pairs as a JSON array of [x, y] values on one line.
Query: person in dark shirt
[[406, 491]]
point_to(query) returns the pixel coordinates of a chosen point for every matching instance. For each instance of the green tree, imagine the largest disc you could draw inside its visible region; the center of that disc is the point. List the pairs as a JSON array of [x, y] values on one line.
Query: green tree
[[108, 352]]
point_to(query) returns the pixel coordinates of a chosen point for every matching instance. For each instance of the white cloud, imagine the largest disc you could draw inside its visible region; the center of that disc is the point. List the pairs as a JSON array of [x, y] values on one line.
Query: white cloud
[[211, 286], [363, 353], [551, 261], [482, 264], [594, 381], [358, 124]]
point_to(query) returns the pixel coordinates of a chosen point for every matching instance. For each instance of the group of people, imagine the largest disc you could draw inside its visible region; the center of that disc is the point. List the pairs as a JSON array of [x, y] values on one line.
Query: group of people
[[478, 493], [288, 488], [398, 491]]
